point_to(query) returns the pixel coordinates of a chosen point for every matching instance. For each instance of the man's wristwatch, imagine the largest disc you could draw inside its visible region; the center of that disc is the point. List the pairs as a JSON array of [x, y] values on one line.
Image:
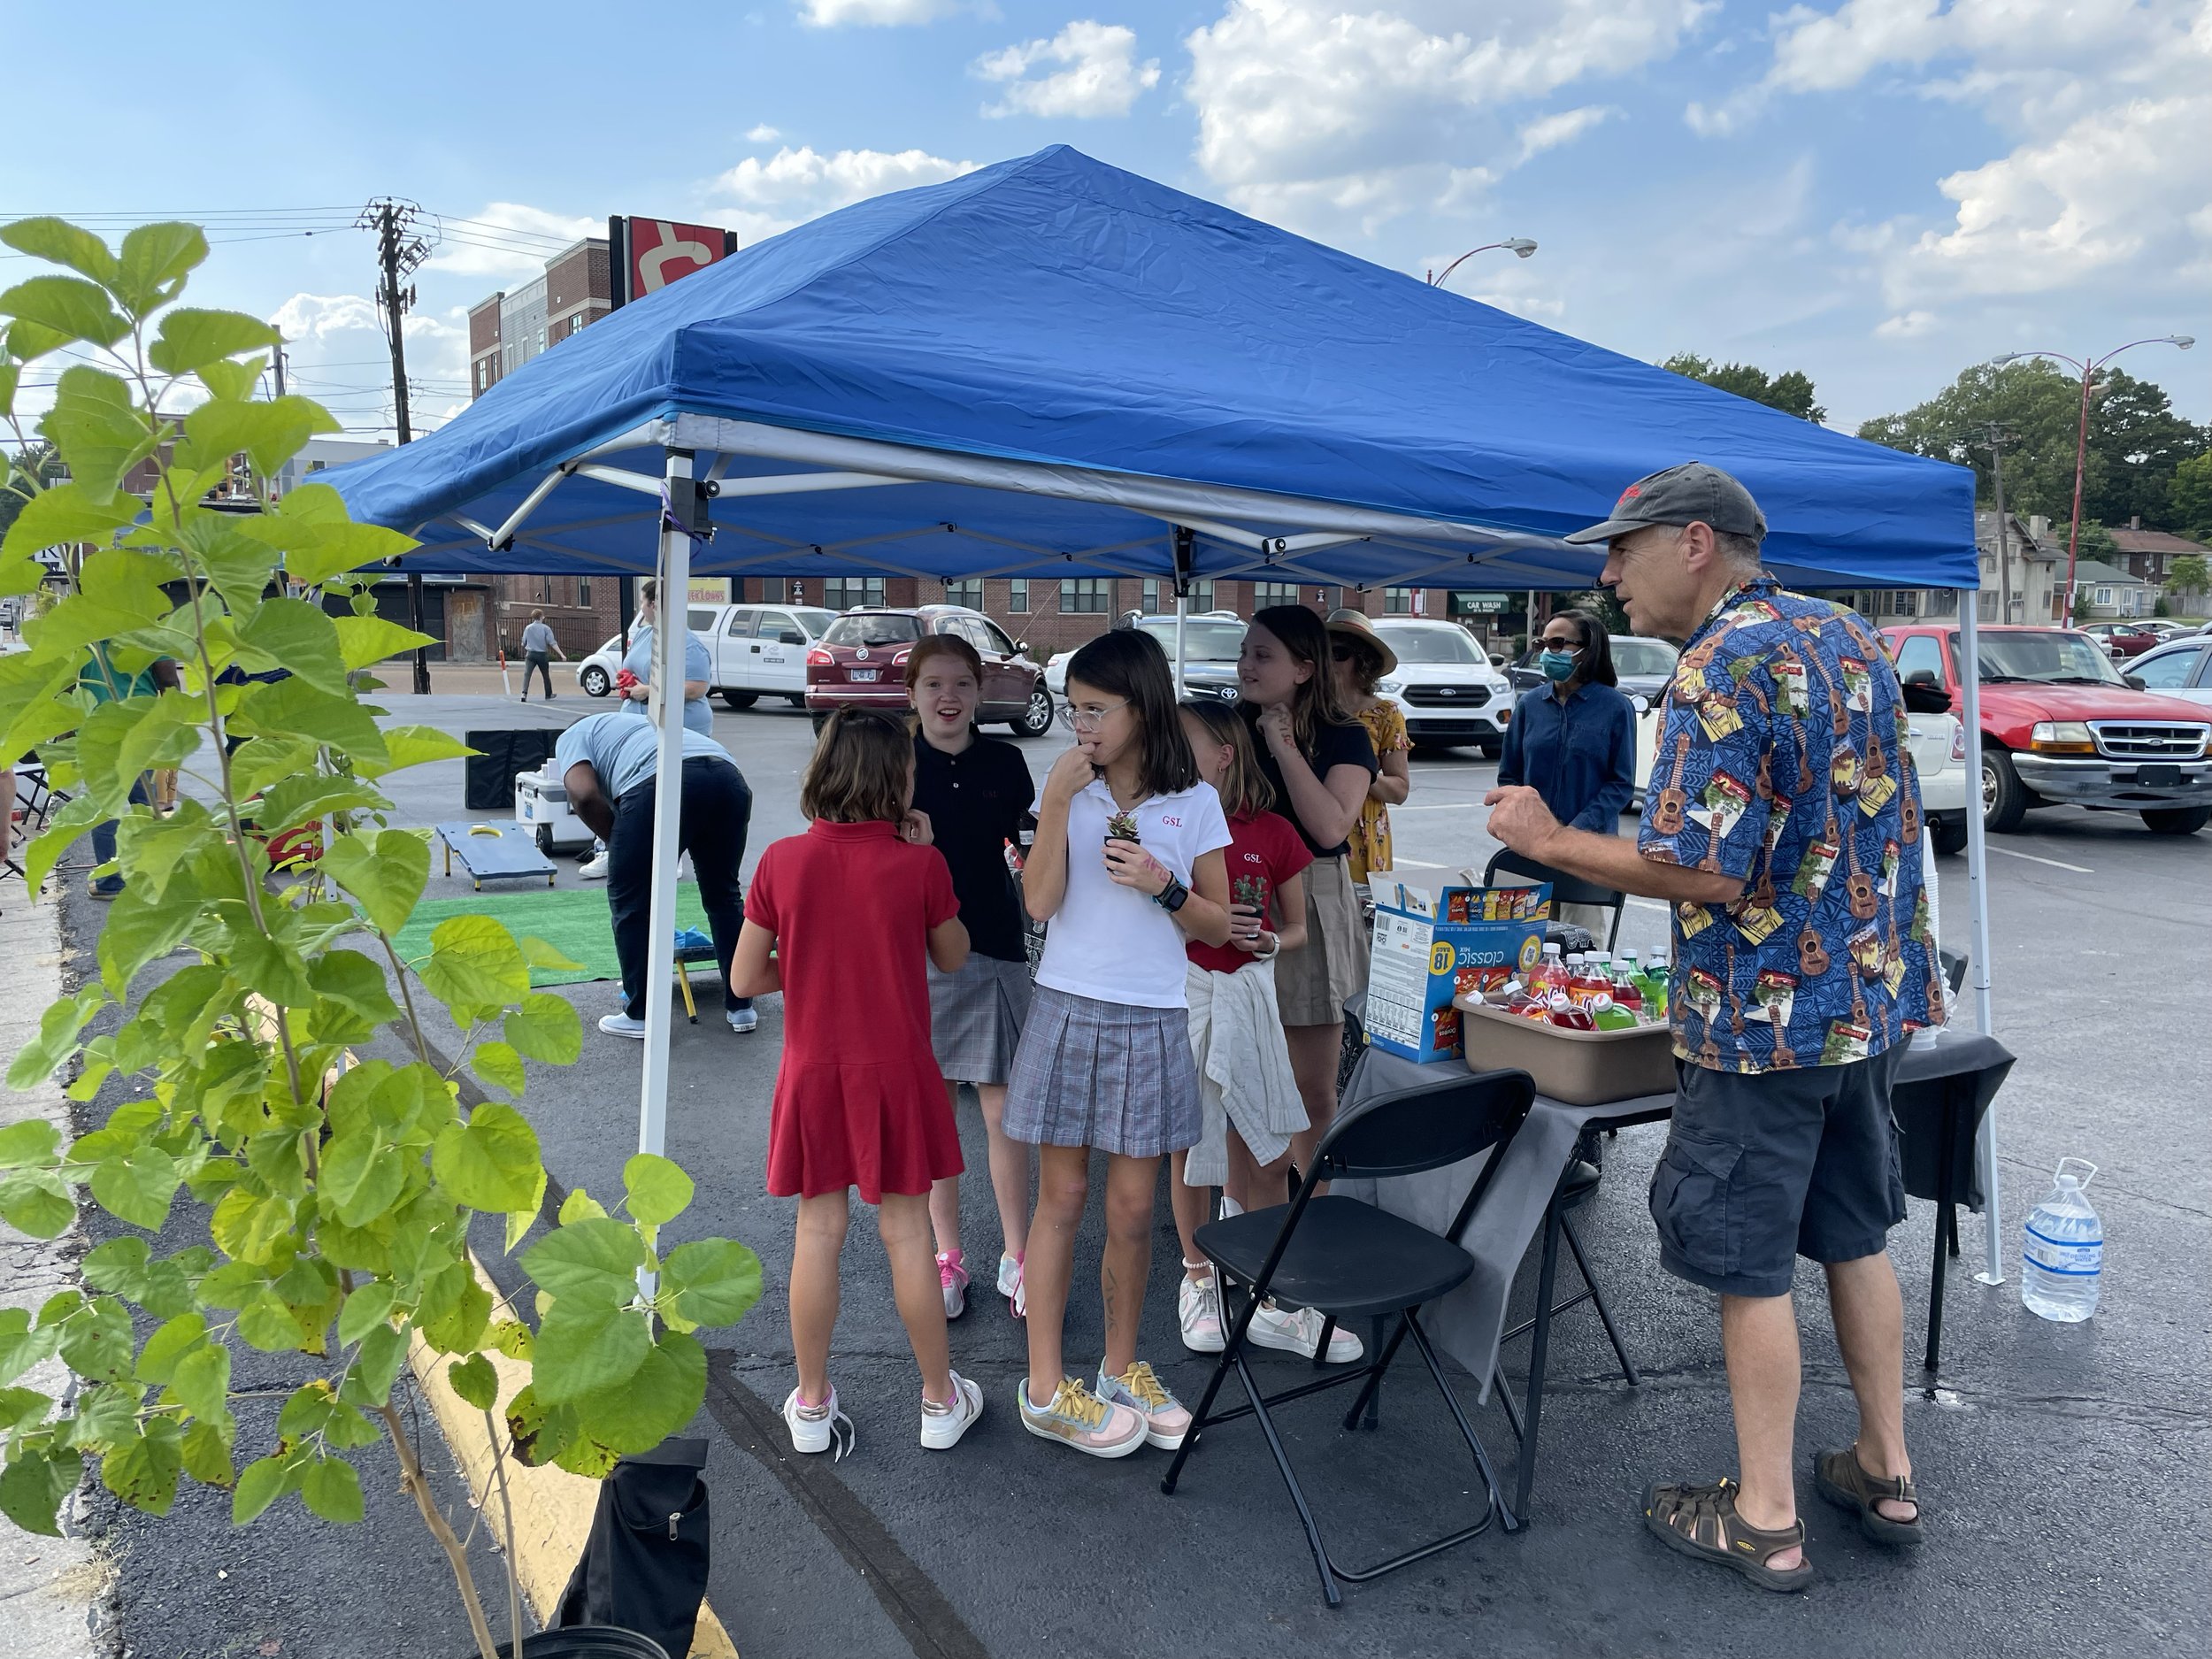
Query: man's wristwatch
[[1170, 898]]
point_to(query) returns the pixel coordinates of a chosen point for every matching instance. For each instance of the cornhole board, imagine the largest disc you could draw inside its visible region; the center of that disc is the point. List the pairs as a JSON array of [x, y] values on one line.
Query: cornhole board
[[492, 852]]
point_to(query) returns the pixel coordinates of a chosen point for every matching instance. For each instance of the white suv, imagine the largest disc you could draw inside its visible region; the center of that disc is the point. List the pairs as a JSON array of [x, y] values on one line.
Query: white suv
[[1445, 686]]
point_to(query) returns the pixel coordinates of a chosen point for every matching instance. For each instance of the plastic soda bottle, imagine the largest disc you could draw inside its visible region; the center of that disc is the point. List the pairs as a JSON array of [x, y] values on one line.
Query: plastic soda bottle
[[1606, 1015], [2062, 1257], [1569, 1015], [1658, 985], [1626, 992], [1549, 975], [1584, 980]]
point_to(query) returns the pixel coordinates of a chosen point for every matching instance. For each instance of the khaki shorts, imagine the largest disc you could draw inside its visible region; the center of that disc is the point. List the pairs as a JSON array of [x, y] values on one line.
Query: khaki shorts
[[1313, 982]]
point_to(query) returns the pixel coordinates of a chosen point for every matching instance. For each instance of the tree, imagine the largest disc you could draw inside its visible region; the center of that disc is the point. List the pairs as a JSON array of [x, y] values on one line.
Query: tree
[[1790, 392], [24, 475], [335, 1201], [2190, 502], [2191, 573], [2136, 442]]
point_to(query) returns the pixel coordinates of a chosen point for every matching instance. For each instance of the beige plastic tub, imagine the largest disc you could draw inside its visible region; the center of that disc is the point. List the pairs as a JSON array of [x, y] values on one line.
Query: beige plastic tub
[[1582, 1068]]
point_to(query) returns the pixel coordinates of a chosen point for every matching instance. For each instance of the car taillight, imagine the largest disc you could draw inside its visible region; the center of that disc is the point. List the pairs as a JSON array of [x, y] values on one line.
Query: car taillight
[[1958, 742], [899, 660], [819, 658]]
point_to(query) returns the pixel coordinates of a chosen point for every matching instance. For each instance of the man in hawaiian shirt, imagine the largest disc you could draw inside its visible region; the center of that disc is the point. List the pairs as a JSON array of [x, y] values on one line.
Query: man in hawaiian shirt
[[1783, 824]]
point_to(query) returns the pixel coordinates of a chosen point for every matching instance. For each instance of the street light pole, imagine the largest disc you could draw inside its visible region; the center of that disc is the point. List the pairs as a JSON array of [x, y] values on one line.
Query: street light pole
[[2081, 437], [1519, 246]]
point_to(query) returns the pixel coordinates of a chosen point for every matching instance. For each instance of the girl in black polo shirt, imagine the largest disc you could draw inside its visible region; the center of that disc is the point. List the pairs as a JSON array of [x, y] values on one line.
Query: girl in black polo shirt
[[976, 792]]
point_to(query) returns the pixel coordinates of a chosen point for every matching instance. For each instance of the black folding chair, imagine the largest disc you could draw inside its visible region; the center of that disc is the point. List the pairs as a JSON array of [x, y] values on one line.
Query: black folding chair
[[1565, 889], [1353, 1261], [1576, 1184]]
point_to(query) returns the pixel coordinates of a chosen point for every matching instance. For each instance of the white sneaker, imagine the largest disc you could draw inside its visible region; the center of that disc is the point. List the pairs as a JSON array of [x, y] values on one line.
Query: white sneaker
[[1010, 1276], [620, 1024], [943, 1425], [1198, 1309], [742, 1020], [596, 870], [1299, 1332], [817, 1428], [952, 1277]]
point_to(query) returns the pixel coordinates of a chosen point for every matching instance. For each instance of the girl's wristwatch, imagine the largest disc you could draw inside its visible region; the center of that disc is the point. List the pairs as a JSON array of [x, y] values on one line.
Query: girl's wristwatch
[[1170, 898], [1274, 944]]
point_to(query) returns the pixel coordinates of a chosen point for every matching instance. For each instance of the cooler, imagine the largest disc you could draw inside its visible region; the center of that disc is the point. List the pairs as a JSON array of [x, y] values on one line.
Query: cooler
[[1578, 1068], [541, 805]]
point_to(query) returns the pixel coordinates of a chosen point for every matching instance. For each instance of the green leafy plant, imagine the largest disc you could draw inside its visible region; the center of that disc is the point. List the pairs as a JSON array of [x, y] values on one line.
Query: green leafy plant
[[335, 1196]]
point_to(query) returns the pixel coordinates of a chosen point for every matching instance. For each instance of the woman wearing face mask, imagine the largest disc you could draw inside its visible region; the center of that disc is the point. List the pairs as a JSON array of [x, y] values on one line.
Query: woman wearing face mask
[[1573, 739]]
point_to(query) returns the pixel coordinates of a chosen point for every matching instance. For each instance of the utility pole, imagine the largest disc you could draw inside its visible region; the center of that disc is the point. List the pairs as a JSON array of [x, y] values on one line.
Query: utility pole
[[1994, 441], [398, 253]]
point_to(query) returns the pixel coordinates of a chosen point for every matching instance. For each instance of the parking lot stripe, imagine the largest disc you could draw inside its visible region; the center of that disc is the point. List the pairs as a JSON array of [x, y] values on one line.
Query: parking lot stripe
[[2036, 858]]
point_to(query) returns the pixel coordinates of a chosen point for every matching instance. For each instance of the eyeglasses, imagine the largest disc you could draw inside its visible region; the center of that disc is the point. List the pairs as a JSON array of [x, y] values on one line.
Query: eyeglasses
[[1090, 719], [1557, 644]]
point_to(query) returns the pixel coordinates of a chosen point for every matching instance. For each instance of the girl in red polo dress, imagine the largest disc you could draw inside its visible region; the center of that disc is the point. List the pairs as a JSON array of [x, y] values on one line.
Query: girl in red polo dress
[[842, 919]]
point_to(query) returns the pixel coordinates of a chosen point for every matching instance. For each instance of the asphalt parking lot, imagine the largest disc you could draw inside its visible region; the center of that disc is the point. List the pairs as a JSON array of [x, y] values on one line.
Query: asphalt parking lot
[[2062, 1466]]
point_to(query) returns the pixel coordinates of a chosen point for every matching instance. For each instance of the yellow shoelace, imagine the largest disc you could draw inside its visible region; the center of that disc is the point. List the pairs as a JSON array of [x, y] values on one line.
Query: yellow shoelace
[[1072, 1400], [1138, 1380]]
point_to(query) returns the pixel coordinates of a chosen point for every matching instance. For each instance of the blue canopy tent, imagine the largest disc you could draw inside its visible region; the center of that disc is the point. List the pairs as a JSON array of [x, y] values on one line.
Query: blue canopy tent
[[1052, 367]]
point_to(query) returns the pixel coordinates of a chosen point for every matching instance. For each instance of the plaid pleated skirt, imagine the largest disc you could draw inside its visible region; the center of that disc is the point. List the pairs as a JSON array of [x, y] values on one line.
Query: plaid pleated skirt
[[1104, 1075], [976, 1015]]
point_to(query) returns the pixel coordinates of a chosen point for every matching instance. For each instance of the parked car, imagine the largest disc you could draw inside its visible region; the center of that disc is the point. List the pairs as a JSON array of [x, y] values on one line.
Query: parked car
[[761, 650], [1644, 666], [861, 659], [1211, 642], [2181, 668], [595, 672], [2060, 725], [1445, 685], [2167, 629], [2123, 638]]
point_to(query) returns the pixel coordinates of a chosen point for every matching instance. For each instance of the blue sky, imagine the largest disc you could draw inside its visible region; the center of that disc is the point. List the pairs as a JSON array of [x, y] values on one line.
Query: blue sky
[[1879, 192]]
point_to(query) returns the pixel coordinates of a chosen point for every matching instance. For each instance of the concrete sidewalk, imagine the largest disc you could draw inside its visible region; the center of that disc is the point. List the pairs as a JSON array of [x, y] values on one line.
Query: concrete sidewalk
[[49, 1586]]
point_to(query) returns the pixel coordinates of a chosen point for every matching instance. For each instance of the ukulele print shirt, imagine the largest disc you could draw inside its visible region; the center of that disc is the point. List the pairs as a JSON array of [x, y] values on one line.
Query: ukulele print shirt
[[1782, 761]]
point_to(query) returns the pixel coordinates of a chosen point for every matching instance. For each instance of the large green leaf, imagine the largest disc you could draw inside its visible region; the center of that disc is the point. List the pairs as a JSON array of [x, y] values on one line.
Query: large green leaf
[[141, 927], [139, 1188], [546, 1028], [369, 1307], [155, 259], [367, 640], [657, 1400], [168, 735], [119, 593], [271, 966], [153, 848], [268, 434], [240, 566], [293, 634], [414, 746], [710, 1281], [475, 963], [31, 1140], [191, 337], [207, 1452], [333, 549], [585, 1348], [60, 833], [33, 1487], [64, 515], [498, 1064], [384, 872], [261, 762], [143, 1471], [383, 1351], [57, 240], [476, 1382], [21, 1347], [355, 983], [36, 1203], [294, 708], [97, 1339], [98, 430], [202, 1380], [656, 1189], [259, 1485], [361, 1176], [491, 1162], [592, 1261], [314, 794], [157, 1360], [69, 306], [56, 1038]]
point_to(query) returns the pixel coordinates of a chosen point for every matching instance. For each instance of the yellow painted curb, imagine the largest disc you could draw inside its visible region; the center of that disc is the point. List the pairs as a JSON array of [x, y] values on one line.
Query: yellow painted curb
[[553, 1509]]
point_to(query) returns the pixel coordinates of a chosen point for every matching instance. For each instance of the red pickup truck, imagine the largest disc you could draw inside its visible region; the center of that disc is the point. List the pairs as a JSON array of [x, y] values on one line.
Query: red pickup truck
[[2060, 726]]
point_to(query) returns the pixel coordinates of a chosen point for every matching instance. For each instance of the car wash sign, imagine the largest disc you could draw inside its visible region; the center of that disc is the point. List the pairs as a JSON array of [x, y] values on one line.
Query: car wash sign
[[646, 255]]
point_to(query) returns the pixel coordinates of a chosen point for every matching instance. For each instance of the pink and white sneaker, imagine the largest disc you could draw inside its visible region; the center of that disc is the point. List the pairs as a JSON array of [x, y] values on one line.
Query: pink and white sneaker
[[952, 1274], [1009, 1285]]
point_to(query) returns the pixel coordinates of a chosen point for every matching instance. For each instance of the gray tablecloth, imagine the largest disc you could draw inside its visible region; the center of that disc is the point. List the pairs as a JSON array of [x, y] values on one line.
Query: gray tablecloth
[[1468, 1322]]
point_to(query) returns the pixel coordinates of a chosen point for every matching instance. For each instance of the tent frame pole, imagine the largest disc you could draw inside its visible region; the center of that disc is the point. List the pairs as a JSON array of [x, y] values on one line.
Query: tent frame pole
[[669, 635], [1977, 902], [1181, 541]]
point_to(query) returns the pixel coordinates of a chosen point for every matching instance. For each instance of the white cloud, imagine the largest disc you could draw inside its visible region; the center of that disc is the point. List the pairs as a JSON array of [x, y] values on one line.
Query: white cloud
[[763, 135], [1306, 108], [1101, 75], [795, 185], [1906, 325], [1549, 132], [830, 14], [508, 239], [317, 316]]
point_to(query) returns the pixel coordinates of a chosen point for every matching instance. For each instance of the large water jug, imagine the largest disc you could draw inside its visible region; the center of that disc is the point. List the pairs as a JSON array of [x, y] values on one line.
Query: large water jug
[[2063, 1253]]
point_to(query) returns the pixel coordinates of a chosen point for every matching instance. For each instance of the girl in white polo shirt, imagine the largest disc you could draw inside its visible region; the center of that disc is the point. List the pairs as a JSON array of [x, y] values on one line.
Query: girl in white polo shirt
[[1127, 866]]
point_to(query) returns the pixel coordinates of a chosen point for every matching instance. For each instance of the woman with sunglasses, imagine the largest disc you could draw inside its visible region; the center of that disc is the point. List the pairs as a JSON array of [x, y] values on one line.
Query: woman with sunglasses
[[1573, 739]]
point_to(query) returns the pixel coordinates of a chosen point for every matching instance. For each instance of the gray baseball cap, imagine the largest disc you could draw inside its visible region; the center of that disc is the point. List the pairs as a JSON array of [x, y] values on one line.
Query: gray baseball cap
[[1690, 493]]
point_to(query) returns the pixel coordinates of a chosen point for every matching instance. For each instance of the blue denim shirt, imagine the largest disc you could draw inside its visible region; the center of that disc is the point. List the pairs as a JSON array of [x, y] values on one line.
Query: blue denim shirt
[[1579, 755]]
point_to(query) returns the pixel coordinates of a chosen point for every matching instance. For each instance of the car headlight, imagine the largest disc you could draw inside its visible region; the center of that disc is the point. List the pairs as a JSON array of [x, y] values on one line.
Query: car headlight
[[1390, 688], [2062, 737]]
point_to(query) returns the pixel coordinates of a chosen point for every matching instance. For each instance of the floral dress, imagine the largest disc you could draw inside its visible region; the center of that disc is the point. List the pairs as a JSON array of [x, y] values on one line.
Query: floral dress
[[1370, 836]]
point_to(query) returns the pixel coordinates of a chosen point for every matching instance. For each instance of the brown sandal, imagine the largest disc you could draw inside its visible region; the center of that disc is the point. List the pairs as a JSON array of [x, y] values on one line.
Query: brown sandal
[[1702, 1522], [1845, 1482]]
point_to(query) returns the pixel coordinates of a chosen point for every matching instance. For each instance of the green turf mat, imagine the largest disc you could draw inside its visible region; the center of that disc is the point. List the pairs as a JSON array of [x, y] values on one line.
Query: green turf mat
[[575, 922]]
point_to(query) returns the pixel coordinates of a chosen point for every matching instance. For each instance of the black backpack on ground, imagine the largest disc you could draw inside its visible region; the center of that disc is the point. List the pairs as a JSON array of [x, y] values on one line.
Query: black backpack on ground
[[644, 1566]]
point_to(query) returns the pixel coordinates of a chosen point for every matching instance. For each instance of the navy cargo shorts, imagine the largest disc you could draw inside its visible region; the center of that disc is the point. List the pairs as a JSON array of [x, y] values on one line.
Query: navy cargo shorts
[[1760, 1169]]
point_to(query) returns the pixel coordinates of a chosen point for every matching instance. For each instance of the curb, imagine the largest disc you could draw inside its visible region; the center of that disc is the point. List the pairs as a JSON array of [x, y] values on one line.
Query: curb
[[553, 1509]]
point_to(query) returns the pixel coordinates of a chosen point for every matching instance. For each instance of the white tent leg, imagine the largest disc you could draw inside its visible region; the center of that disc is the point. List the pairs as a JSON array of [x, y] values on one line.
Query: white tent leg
[[1182, 654], [1978, 903], [670, 633]]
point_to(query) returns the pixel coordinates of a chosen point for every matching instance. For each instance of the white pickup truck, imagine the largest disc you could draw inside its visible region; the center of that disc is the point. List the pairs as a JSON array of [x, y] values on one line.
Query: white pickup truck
[[757, 650]]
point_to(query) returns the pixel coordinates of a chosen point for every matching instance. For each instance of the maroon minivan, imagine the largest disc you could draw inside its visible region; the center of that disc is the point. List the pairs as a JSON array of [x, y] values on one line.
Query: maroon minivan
[[861, 658]]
